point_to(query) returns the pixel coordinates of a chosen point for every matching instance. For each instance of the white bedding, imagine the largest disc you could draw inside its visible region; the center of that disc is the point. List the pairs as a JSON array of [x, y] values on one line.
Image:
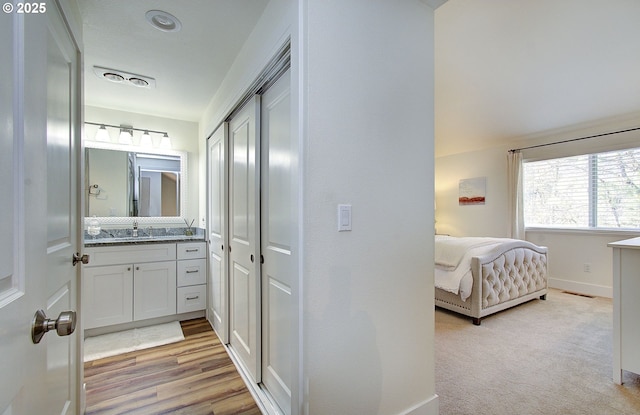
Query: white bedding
[[453, 261]]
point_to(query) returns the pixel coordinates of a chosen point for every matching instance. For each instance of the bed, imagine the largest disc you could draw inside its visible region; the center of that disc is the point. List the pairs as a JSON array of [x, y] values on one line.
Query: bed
[[477, 276]]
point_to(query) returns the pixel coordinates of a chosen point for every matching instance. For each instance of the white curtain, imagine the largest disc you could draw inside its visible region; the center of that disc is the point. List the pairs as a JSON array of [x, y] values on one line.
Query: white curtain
[[516, 211]]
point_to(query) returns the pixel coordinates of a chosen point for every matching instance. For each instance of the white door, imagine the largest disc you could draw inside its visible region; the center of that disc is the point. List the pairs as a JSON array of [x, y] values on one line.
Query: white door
[[278, 235], [217, 225], [244, 263], [39, 208]]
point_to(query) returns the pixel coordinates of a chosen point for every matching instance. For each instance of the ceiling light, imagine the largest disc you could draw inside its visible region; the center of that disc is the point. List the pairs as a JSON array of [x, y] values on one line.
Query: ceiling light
[[125, 78], [102, 134], [163, 21], [113, 77], [139, 82]]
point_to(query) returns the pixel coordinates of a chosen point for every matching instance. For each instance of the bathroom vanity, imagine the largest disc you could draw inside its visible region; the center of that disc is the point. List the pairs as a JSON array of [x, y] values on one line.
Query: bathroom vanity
[[136, 281]]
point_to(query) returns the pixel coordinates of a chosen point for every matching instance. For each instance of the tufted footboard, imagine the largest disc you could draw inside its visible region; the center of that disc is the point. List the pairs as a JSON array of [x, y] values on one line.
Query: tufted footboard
[[510, 274]]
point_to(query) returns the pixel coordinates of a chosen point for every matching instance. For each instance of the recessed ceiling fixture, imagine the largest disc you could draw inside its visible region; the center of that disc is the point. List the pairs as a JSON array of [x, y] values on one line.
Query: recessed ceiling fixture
[[121, 77], [163, 21]]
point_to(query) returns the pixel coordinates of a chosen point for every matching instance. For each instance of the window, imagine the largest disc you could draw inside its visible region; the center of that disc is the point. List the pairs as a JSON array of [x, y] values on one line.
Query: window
[[588, 191]]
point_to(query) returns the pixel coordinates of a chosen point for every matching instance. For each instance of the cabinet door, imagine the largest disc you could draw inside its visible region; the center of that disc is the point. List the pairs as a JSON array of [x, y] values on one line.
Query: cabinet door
[[154, 290], [108, 295]]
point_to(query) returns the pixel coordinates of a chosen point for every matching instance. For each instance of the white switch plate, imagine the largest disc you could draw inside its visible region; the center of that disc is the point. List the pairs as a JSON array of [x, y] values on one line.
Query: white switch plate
[[344, 218]]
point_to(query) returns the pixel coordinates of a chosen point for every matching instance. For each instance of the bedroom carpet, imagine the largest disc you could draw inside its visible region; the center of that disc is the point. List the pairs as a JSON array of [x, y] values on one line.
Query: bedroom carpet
[[542, 357]]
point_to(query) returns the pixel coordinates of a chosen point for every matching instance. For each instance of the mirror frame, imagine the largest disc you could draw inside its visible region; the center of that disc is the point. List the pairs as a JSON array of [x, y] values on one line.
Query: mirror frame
[[118, 221]]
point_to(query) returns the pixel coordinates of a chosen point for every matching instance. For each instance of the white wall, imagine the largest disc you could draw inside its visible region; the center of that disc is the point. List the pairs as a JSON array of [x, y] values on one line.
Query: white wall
[[184, 137], [368, 293], [569, 251], [365, 120], [489, 219]]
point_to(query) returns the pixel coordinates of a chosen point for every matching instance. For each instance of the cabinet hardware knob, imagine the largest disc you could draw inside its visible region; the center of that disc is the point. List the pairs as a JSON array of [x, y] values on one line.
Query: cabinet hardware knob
[[192, 272], [192, 250], [193, 298], [251, 258]]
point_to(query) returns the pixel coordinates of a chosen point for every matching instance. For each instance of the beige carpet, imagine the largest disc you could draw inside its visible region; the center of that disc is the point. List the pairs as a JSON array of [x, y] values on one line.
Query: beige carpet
[[542, 357], [113, 344]]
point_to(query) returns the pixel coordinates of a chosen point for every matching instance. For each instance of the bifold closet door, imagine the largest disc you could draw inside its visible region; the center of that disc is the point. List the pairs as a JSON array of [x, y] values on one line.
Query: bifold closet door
[[218, 194], [278, 233], [244, 255]]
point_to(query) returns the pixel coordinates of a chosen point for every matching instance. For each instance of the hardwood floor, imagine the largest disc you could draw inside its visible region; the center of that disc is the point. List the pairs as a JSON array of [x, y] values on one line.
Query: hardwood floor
[[194, 377]]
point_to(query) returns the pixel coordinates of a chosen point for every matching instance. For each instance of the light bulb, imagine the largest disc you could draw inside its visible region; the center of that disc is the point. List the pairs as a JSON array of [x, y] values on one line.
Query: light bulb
[[165, 142], [126, 136], [145, 140], [102, 134]]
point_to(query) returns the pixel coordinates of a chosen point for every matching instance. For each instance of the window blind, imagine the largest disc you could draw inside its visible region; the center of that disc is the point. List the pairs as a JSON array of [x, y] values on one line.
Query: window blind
[[600, 190]]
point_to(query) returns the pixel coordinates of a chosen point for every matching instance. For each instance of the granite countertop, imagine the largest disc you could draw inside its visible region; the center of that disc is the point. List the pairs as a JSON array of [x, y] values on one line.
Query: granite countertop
[[145, 236]]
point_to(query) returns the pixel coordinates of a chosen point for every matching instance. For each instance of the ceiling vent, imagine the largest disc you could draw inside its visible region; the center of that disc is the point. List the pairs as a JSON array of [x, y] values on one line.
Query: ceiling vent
[[121, 77]]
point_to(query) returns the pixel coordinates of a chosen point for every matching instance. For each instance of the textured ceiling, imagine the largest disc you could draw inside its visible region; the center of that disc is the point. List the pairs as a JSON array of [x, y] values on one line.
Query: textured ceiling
[[188, 65], [512, 68]]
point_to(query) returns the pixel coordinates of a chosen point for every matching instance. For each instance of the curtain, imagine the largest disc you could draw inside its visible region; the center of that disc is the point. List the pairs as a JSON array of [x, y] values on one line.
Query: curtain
[[514, 180]]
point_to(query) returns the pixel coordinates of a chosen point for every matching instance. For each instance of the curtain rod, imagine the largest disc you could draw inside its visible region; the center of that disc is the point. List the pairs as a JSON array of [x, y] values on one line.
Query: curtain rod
[[574, 139]]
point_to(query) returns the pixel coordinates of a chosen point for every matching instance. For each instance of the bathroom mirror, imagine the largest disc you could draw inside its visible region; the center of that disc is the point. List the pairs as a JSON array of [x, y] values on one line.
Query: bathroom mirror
[[122, 182]]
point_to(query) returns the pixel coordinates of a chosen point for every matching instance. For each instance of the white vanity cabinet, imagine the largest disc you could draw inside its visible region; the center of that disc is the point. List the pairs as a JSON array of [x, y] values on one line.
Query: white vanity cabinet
[[107, 295], [154, 290], [192, 276], [129, 282]]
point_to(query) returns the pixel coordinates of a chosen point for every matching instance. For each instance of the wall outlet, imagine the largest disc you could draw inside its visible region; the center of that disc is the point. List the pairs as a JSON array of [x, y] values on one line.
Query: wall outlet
[[586, 267]]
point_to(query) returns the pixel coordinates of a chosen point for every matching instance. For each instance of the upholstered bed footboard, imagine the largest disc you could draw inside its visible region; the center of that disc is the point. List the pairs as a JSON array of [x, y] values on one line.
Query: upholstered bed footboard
[[510, 274]]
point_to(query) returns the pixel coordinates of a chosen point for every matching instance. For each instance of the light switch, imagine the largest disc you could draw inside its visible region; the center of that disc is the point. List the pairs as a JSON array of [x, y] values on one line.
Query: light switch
[[344, 218]]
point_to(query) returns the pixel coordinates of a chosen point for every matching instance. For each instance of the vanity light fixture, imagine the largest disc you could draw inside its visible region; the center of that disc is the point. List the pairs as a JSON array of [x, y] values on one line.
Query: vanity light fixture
[[126, 135]]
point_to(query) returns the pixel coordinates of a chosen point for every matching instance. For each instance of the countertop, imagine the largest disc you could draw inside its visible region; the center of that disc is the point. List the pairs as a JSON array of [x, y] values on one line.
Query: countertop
[[149, 235]]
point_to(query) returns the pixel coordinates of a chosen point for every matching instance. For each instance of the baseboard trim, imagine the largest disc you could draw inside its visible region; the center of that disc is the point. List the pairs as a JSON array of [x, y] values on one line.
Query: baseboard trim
[[428, 407], [581, 287]]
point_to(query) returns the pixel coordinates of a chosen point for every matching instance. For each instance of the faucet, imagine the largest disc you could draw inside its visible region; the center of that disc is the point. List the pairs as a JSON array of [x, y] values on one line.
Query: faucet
[[135, 229]]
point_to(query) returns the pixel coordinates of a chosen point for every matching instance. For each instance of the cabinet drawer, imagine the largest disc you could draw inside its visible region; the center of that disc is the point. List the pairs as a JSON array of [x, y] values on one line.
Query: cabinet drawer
[[192, 272], [192, 250], [130, 254], [192, 298]]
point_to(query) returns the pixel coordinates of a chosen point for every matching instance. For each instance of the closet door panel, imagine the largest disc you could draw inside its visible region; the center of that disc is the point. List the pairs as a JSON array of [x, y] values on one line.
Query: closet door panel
[[244, 262], [278, 233]]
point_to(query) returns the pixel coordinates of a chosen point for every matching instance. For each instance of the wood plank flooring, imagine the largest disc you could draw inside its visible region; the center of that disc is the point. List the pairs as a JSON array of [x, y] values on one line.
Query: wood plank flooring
[[194, 377]]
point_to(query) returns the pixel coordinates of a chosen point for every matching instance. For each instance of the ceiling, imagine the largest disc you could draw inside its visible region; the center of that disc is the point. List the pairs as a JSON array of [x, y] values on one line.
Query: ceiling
[[504, 69], [188, 66]]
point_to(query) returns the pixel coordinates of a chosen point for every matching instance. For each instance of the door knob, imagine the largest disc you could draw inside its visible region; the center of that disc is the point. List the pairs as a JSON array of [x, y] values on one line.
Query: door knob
[[64, 325], [80, 258]]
